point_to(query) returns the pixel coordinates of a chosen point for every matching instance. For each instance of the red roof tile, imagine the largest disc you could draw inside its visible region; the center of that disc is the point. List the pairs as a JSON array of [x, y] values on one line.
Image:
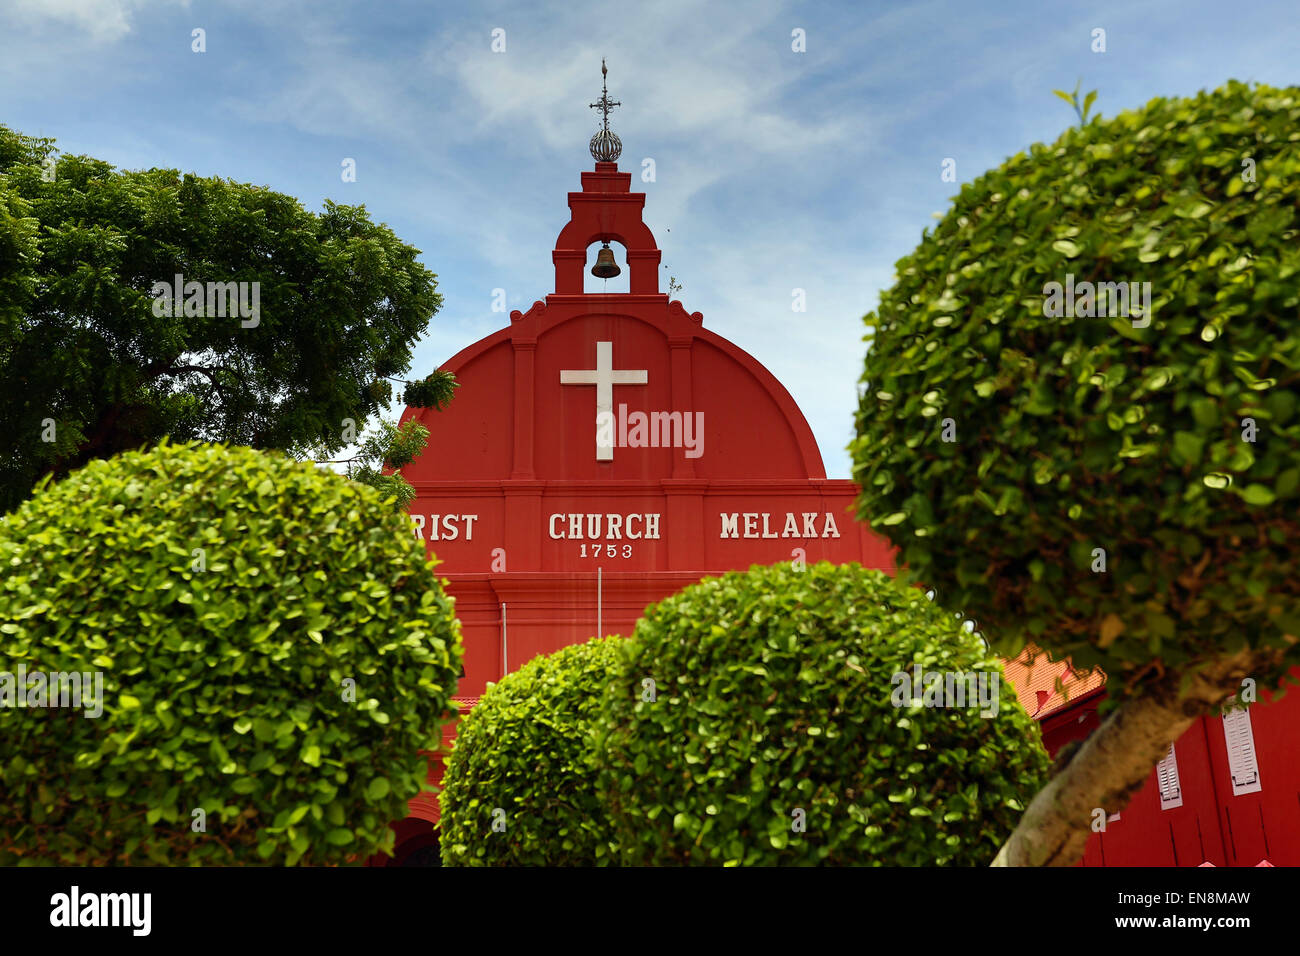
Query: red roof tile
[[1034, 676]]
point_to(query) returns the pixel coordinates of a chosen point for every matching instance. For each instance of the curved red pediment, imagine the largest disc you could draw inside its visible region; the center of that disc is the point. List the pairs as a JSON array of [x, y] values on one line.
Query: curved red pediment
[[706, 408]]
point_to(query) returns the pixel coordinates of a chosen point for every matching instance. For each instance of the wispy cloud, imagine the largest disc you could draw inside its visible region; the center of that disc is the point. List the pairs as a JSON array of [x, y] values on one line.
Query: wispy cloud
[[102, 21]]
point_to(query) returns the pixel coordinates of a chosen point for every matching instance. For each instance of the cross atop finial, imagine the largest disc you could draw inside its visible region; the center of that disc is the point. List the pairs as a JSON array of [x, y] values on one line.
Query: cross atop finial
[[605, 145], [604, 104]]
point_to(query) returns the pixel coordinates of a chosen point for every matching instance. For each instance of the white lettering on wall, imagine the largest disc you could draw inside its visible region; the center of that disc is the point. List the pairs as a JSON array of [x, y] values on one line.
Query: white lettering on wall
[[603, 527], [731, 525], [450, 525]]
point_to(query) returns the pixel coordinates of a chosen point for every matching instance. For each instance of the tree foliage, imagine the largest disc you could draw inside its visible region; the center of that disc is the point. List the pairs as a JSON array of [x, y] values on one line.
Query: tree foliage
[[526, 750], [773, 705], [387, 448], [275, 650], [89, 368], [1122, 489]]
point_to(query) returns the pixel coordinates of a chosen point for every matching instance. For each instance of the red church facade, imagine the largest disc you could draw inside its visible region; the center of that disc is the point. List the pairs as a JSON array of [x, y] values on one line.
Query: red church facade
[[606, 450], [572, 520]]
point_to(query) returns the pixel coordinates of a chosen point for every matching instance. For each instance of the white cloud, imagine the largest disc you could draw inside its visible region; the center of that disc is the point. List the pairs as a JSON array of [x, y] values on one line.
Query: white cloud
[[103, 21]]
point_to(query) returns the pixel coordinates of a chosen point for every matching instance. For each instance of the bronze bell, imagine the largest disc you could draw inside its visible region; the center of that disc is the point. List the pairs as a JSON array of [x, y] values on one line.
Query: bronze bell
[[605, 267]]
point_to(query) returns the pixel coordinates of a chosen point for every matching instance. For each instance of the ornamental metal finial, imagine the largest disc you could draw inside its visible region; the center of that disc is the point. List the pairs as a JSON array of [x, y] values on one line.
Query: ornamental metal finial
[[605, 146]]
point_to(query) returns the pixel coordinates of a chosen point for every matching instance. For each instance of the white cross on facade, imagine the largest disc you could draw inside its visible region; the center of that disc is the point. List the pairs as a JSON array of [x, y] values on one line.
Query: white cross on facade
[[604, 376]]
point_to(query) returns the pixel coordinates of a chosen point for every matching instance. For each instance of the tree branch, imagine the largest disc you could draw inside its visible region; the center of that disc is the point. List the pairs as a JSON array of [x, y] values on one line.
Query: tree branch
[[222, 389]]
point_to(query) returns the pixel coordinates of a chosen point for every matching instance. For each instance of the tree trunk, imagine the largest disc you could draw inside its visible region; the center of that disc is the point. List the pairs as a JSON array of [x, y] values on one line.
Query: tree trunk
[[1115, 761]]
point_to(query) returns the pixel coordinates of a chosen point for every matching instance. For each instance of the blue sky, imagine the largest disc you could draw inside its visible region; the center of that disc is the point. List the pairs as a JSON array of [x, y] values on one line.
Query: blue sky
[[775, 170]]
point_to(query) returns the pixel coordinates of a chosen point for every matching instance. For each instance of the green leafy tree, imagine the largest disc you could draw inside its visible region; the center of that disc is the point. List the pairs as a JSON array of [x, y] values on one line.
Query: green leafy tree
[[520, 783], [94, 358], [274, 650], [386, 448], [758, 718], [1113, 479]]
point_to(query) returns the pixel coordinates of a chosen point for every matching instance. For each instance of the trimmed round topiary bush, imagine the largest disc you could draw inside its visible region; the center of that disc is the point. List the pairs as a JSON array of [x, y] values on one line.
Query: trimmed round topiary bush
[[1115, 479], [519, 789], [274, 650], [780, 732]]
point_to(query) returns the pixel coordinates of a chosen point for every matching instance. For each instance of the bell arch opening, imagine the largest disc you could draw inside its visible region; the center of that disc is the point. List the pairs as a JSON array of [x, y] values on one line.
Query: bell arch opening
[[592, 284]]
